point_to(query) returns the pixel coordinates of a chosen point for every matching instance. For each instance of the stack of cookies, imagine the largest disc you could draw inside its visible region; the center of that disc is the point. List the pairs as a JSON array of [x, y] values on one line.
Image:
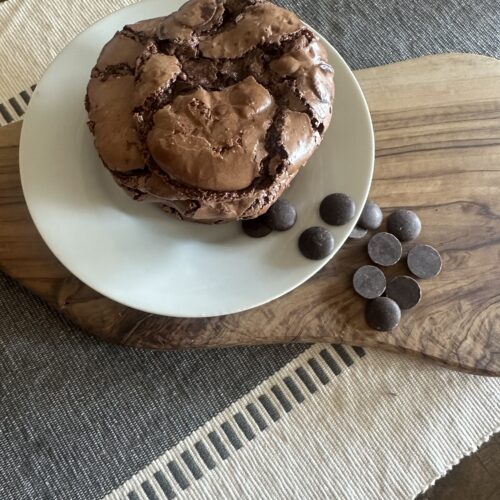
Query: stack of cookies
[[211, 111]]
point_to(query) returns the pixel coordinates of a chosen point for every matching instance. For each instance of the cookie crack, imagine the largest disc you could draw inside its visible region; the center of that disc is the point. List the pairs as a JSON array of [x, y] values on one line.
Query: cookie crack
[[228, 72], [291, 93], [114, 70], [283, 90]]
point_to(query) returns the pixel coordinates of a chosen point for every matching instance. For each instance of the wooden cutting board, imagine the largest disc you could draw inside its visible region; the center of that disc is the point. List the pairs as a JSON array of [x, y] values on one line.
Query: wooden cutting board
[[437, 125]]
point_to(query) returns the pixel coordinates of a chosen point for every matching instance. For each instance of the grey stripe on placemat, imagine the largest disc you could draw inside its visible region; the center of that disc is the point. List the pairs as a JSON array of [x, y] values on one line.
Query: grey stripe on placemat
[[5, 115], [264, 410], [15, 107]]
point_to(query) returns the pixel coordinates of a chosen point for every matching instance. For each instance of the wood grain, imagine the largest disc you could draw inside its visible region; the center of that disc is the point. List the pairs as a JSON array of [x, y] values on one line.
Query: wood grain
[[437, 123]]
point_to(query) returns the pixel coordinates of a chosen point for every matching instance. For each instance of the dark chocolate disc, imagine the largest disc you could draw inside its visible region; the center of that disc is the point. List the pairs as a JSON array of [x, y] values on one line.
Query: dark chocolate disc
[[371, 216], [282, 215], [316, 243], [404, 224], [369, 282], [382, 314], [256, 228], [405, 291], [424, 261], [384, 249], [358, 233], [337, 209]]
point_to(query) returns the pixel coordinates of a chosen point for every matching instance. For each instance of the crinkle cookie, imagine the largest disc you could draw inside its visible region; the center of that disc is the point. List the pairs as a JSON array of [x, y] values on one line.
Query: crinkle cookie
[[211, 111]]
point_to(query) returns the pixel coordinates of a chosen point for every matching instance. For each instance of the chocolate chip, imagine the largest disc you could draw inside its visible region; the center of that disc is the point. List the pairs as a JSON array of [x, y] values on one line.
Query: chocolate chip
[[358, 232], [369, 282], [316, 243], [256, 228], [371, 216], [384, 249], [382, 314], [281, 216], [404, 224], [337, 209], [405, 291], [424, 261]]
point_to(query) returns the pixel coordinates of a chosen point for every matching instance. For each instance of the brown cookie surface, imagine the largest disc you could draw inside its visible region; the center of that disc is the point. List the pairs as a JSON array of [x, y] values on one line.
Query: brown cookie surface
[[212, 110]]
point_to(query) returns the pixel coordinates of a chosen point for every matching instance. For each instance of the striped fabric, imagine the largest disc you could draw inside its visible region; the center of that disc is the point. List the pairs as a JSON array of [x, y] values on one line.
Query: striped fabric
[[26, 52], [223, 437], [14, 108], [333, 423]]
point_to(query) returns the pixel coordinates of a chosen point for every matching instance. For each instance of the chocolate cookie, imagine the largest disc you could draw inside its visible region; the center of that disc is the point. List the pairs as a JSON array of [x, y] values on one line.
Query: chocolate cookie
[[211, 111]]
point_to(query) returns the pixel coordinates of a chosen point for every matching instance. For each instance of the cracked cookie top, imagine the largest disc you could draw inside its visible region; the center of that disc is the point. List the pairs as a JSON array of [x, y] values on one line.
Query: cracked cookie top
[[212, 110]]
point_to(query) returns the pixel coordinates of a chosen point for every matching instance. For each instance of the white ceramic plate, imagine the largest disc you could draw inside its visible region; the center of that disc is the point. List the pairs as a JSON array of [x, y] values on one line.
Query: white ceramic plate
[[136, 254]]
